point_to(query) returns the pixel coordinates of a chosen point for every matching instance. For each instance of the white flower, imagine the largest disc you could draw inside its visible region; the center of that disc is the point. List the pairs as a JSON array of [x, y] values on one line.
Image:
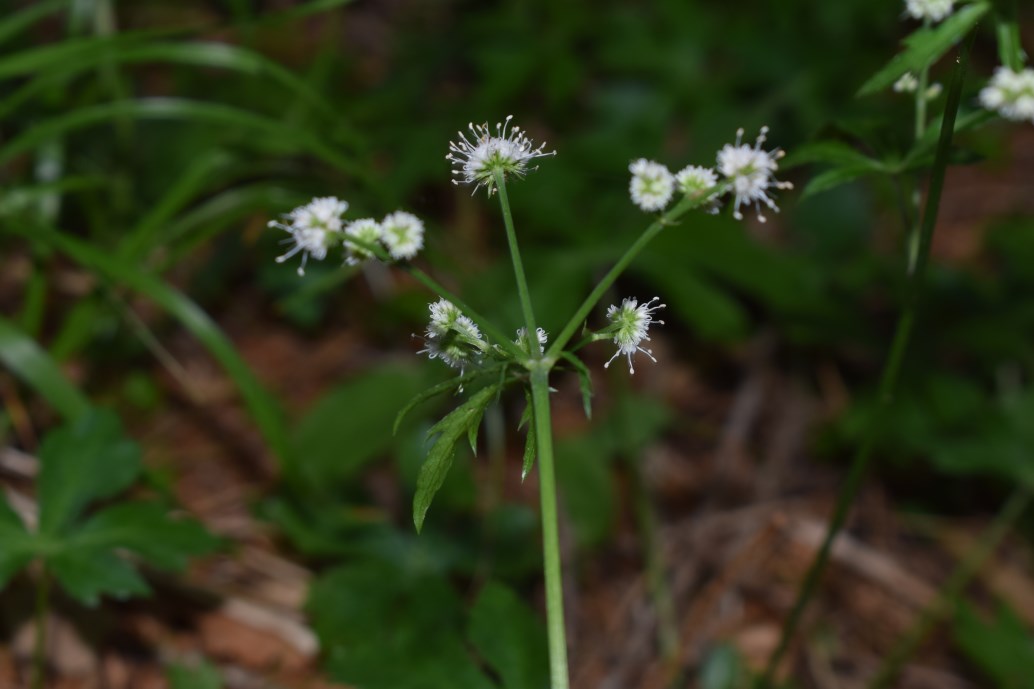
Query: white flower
[[367, 231], [522, 339], [933, 91], [750, 172], [313, 228], [630, 324], [652, 184], [695, 181], [1010, 94], [933, 10], [402, 234], [475, 161], [451, 336], [907, 83]]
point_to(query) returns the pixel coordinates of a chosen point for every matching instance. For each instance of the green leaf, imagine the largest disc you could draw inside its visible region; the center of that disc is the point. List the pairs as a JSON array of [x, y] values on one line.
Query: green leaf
[[831, 179], [439, 459], [84, 461], [1003, 647], [440, 389], [24, 358], [723, 669], [263, 129], [925, 46], [264, 409], [510, 638], [832, 152], [16, 22], [18, 544], [147, 529], [88, 573], [351, 425], [203, 676], [584, 381], [586, 483], [529, 441]]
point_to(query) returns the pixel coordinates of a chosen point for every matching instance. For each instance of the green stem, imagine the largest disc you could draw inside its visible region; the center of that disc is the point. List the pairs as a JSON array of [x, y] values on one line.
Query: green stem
[[39, 653], [891, 370], [971, 564], [518, 266], [652, 231], [550, 528]]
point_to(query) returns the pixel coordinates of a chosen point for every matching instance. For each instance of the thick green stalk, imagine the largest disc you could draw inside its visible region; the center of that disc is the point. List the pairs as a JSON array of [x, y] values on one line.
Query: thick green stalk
[[891, 370], [518, 265], [39, 653], [953, 588], [652, 231], [550, 528]]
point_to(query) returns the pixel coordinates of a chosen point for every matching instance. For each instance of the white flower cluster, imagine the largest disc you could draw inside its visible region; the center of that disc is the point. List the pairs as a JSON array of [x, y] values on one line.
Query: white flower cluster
[[1010, 94], [630, 324], [522, 339], [908, 83], [452, 337], [929, 10], [317, 226], [476, 160], [747, 172]]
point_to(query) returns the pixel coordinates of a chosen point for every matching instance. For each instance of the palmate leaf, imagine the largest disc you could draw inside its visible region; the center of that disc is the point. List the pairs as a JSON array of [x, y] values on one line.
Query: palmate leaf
[[439, 458], [88, 460], [925, 46], [88, 573]]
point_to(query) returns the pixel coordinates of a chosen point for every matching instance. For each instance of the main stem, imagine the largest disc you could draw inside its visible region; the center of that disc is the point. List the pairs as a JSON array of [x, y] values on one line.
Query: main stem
[[539, 367], [891, 370], [518, 267], [550, 529]]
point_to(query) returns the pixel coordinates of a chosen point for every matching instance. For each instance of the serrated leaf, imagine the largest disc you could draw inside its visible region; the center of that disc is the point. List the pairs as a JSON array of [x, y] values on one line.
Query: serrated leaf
[[88, 573], [147, 529], [439, 389], [510, 638], [925, 46], [17, 543], [439, 458], [584, 381], [87, 460]]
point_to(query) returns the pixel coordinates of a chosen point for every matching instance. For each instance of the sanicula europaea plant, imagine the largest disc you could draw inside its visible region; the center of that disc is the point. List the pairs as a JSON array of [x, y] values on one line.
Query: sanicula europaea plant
[[487, 158], [1009, 94]]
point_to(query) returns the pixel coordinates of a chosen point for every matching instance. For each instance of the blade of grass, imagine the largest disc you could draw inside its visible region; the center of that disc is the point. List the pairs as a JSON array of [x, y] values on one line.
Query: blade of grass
[[29, 362], [262, 407], [891, 369], [177, 109]]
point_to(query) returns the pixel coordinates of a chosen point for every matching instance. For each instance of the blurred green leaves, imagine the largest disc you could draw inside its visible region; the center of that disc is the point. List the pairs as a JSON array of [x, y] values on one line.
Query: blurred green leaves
[[84, 464]]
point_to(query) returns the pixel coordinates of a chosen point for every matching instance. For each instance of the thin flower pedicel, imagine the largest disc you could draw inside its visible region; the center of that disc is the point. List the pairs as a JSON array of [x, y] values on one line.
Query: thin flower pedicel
[[313, 228], [651, 186], [749, 170], [476, 160], [631, 326]]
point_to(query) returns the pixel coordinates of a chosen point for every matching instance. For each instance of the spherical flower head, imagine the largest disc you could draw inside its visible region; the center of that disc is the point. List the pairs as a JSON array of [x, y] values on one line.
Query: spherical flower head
[[313, 228], [695, 181], [522, 339], [367, 231], [630, 324], [750, 171], [476, 160], [906, 83], [932, 10], [652, 185], [1010, 94], [451, 336], [403, 235]]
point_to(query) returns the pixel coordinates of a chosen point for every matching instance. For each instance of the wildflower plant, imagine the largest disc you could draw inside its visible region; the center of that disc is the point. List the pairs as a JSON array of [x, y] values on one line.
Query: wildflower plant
[[486, 361]]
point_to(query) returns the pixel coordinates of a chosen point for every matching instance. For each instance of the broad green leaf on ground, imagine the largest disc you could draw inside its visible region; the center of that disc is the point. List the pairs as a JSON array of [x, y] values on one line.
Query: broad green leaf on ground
[[88, 573], [204, 675], [925, 46], [148, 530], [511, 639], [87, 460], [447, 433], [383, 626], [351, 425], [17, 548], [20, 354], [1002, 647]]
